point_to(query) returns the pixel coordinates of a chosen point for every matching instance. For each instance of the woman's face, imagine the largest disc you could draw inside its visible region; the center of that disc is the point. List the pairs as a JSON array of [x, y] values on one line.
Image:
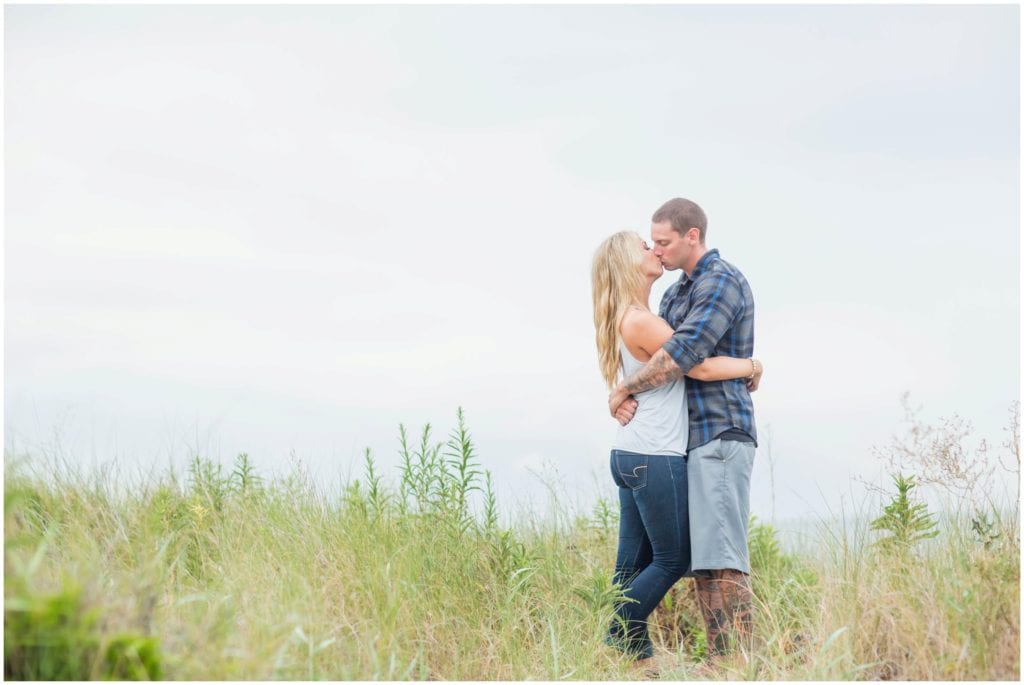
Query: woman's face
[[651, 263]]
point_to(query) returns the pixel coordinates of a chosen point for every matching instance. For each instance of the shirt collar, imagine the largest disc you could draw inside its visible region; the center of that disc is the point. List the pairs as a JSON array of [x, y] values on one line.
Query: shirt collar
[[702, 265]]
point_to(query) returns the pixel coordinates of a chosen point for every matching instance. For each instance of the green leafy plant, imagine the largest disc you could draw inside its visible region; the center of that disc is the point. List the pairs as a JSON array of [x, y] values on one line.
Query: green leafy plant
[[55, 637], [906, 522], [461, 470], [132, 657], [605, 518], [765, 551], [48, 638], [243, 479], [377, 496], [207, 482], [984, 529]]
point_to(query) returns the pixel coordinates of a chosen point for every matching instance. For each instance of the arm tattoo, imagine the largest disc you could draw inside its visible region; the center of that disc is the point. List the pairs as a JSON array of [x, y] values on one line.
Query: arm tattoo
[[660, 370]]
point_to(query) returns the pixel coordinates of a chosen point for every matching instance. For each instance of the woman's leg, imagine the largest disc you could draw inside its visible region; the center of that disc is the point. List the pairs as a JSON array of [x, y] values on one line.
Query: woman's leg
[[659, 490], [633, 556], [634, 553]]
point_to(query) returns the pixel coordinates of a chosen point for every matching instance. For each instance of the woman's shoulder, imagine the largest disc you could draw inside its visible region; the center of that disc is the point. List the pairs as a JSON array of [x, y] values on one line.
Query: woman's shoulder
[[644, 332], [637, 320]]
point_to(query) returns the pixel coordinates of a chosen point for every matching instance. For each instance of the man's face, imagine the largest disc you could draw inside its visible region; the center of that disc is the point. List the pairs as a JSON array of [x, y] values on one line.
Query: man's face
[[672, 249]]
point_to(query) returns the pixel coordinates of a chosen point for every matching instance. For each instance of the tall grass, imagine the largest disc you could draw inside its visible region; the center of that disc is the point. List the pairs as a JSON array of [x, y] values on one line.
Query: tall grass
[[226, 575]]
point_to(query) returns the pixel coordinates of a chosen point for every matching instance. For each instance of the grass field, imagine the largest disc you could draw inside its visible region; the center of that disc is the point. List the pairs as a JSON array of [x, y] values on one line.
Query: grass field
[[217, 575]]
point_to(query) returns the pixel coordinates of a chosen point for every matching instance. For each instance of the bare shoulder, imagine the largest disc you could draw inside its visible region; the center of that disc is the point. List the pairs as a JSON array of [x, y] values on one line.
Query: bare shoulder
[[644, 332], [641, 320]]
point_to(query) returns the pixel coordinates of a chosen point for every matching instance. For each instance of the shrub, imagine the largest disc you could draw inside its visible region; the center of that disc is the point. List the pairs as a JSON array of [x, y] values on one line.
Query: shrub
[[56, 638], [906, 522]]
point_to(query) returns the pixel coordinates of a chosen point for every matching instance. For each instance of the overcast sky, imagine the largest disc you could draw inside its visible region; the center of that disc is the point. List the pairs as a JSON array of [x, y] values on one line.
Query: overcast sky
[[288, 229]]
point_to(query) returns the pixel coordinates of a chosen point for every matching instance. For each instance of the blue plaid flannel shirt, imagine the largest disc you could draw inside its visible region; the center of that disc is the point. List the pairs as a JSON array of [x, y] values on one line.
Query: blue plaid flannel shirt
[[712, 312]]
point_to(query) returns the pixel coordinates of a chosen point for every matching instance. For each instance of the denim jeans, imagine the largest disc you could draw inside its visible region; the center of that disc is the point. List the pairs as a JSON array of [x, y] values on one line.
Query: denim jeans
[[654, 541]]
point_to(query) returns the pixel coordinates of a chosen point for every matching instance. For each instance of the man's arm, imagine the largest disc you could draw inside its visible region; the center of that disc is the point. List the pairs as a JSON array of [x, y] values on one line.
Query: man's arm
[[661, 369], [717, 300]]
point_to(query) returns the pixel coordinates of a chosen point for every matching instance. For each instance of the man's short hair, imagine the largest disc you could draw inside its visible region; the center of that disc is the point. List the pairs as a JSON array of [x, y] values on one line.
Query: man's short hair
[[683, 215]]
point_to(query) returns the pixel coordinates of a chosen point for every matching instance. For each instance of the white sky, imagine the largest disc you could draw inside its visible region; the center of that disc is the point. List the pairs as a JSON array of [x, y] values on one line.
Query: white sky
[[274, 229]]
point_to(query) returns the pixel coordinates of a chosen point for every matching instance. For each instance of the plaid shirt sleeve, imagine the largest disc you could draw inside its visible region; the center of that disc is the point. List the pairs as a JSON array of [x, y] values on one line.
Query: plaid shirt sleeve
[[716, 301]]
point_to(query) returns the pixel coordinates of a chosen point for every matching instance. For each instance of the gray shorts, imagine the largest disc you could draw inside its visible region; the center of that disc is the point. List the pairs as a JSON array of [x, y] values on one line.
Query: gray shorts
[[719, 485]]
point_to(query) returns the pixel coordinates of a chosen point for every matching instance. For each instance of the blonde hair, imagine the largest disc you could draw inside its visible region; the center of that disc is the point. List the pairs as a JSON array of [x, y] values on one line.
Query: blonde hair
[[616, 279]]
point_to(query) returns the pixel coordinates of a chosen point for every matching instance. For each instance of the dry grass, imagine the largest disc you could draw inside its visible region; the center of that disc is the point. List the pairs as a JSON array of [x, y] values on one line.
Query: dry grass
[[240, 579]]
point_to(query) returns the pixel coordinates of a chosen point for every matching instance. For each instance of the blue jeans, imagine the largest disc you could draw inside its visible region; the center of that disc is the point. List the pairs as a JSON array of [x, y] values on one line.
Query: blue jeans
[[654, 541]]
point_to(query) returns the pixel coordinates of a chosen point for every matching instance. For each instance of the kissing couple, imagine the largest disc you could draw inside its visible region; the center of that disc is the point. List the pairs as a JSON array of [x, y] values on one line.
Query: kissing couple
[[680, 386]]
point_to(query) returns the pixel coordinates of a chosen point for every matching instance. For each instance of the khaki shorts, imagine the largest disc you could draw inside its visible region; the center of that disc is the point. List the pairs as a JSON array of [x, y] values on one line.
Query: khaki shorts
[[719, 484]]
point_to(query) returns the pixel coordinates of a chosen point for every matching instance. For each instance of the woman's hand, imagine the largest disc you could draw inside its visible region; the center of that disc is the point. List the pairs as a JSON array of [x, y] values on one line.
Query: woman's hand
[[752, 383], [626, 411], [621, 405]]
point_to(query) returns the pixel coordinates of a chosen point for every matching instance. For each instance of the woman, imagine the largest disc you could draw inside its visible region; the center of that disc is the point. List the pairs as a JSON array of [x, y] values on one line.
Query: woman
[[647, 457]]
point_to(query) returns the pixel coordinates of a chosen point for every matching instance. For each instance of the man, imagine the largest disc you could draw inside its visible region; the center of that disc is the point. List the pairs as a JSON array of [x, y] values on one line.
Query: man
[[711, 309]]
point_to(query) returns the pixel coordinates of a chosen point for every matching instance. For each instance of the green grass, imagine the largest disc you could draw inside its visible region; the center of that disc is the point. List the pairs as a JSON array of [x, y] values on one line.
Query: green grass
[[229, 576]]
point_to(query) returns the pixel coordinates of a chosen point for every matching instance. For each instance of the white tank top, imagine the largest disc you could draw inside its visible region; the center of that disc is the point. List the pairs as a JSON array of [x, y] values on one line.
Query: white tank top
[[661, 424]]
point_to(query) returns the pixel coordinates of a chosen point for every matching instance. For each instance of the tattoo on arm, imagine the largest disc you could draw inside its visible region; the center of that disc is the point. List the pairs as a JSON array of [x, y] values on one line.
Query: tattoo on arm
[[660, 370]]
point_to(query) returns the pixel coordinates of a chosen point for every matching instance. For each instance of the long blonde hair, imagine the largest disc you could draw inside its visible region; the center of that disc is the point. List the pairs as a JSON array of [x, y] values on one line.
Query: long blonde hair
[[616, 279]]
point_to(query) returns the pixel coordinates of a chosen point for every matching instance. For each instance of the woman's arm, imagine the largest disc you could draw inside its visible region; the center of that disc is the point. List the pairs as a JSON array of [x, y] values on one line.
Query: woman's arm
[[725, 368], [649, 332]]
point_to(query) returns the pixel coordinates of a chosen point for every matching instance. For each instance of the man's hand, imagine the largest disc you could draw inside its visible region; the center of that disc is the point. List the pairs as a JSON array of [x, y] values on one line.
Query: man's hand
[[621, 404]]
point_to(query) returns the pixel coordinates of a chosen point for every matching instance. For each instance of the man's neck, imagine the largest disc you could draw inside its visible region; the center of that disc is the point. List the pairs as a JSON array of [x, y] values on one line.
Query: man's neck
[[695, 257]]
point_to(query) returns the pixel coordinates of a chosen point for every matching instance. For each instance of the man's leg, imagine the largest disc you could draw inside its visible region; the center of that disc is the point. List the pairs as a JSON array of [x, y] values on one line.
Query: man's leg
[[726, 603], [719, 479]]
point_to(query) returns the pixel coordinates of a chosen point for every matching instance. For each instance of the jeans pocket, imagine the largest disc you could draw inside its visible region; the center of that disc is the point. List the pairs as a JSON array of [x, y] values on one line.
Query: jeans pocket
[[632, 469]]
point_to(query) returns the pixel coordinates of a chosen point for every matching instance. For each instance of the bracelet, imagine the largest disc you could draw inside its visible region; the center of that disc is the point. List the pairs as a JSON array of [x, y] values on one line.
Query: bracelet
[[753, 368]]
